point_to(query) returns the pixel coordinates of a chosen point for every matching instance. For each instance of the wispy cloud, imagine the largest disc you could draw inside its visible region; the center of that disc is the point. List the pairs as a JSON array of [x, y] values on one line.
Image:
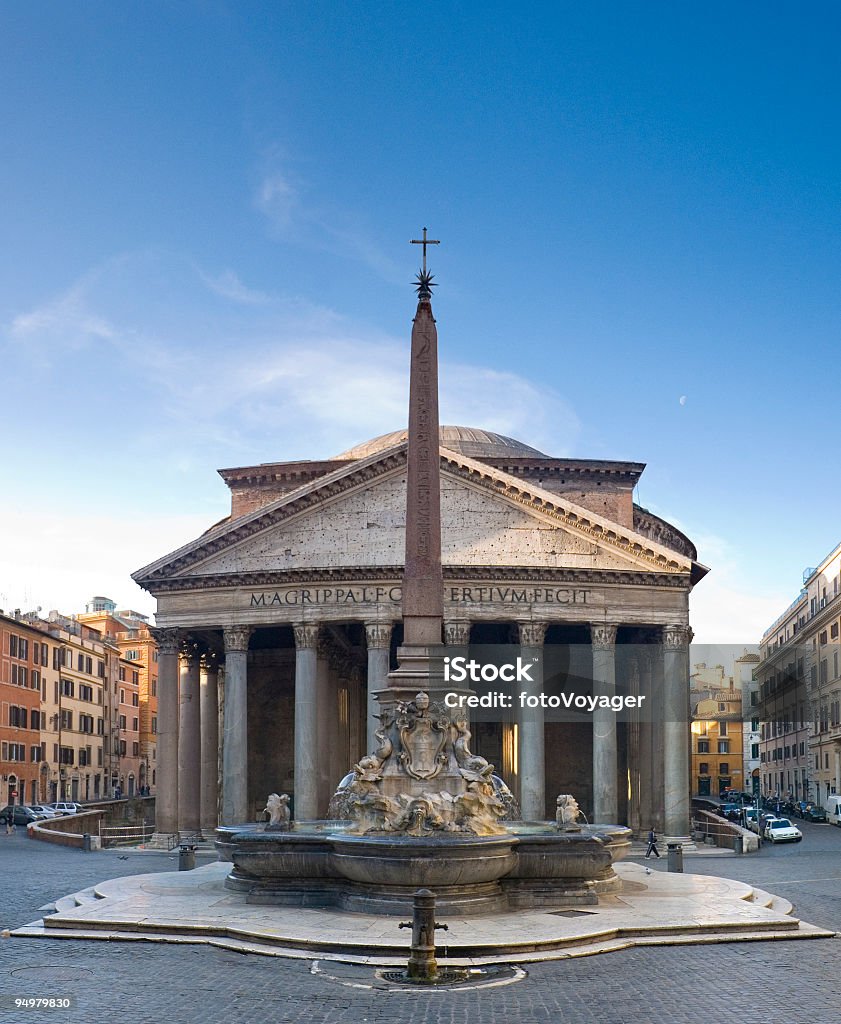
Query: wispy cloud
[[321, 224], [277, 199], [229, 286]]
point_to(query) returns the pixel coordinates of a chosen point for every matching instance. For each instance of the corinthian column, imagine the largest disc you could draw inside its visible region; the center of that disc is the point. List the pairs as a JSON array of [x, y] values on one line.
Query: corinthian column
[[189, 746], [306, 721], [166, 779], [531, 724], [209, 703], [676, 641], [378, 637], [605, 798], [235, 727]]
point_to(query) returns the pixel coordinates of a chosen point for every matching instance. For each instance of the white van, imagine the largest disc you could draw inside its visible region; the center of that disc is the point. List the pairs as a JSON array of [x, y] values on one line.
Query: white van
[[833, 809]]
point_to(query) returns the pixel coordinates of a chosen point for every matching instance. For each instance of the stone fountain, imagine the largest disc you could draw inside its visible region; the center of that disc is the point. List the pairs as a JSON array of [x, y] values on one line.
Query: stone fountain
[[422, 810]]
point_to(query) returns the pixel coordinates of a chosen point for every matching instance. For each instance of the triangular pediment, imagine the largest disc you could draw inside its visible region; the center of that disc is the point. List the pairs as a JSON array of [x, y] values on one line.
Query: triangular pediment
[[355, 518]]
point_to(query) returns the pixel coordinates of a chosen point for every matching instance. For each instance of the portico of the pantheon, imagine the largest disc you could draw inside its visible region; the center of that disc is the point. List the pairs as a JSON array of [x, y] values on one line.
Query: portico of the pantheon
[[277, 624]]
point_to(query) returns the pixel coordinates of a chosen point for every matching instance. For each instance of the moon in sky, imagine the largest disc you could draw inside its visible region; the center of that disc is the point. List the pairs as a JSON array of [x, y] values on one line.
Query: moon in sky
[[683, 399]]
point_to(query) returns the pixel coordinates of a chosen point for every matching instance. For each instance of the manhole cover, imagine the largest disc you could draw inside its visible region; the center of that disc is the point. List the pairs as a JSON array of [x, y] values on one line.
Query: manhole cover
[[450, 977], [57, 973], [572, 913], [445, 976]]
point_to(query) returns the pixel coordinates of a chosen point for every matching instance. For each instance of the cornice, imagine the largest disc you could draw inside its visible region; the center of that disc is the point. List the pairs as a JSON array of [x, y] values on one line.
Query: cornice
[[452, 574], [566, 513]]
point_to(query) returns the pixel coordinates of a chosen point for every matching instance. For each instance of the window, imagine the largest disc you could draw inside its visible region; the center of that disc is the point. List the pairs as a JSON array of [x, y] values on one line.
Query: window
[[122, 721], [724, 746], [703, 746], [154, 724], [135, 700], [754, 750], [134, 724], [132, 655], [85, 692], [86, 723], [18, 717], [135, 749], [722, 728], [66, 719], [100, 669], [36, 679], [722, 706], [100, 727], [135, 678], [122, 674], [88, 665], [703, 768], [122, 748], [724, 768], [67, 687], [122, 696], [754, 725], [35, 754], [66, 755]]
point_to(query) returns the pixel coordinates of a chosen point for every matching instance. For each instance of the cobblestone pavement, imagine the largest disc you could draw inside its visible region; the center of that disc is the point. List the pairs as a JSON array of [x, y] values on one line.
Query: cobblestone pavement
[[790, 982]]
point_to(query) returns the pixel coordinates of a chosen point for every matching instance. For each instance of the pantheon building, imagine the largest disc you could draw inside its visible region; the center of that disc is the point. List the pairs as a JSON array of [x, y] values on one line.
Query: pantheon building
[[276, 625]]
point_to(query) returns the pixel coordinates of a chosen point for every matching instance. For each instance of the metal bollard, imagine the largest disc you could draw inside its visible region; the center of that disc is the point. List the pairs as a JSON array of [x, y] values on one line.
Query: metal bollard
[[86, 842], [675, 855], [186, 858], [422, 963]]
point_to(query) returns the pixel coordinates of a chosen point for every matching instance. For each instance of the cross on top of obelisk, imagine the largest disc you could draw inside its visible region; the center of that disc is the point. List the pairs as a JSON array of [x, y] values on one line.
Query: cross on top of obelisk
[[424, 278]]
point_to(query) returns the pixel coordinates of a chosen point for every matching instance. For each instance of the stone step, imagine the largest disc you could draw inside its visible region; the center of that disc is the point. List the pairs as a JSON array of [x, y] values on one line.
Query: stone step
[[375, 958]]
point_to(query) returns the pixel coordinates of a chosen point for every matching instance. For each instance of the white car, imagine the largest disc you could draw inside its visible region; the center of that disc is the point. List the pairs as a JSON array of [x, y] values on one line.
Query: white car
[[66, 807], [44, 811], [781, 830]]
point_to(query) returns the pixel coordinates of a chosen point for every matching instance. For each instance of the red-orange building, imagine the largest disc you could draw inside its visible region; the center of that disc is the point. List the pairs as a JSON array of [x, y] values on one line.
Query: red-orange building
[[24, 655]]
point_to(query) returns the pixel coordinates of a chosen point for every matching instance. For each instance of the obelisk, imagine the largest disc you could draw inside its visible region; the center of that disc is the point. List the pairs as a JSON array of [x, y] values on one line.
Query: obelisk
[[423, 603], [419, 657]]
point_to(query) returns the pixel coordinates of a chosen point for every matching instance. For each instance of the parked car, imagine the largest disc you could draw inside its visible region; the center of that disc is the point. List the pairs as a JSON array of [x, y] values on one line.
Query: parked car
[[725, 810], [781, 830], [44, 810], [813, 813], [66, 807], [19, 814]]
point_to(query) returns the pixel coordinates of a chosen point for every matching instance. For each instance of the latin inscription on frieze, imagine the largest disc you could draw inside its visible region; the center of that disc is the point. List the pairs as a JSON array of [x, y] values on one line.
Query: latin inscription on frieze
[[370, 594]]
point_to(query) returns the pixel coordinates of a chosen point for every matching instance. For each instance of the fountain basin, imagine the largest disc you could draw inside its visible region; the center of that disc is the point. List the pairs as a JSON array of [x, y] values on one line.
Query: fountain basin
[[321, 864]]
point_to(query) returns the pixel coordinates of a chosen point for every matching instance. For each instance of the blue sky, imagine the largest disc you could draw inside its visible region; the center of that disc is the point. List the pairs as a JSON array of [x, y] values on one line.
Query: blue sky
[[205, 216]]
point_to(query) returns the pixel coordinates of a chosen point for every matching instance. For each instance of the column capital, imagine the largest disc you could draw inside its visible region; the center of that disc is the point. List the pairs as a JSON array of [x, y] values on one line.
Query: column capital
[[676, 638], [237, 637], [457, 633], [167, 640], [188, 652], [209, 661], [306, 635], [603, 635], [378, 635], [532, 634]]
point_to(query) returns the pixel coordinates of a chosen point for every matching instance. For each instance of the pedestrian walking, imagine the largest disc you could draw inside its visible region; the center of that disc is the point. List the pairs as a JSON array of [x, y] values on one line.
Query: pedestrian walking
[[652, 845]]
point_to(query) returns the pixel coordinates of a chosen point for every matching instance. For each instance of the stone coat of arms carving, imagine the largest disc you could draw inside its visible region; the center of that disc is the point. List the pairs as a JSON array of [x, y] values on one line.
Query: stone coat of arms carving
[[422, 738]]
